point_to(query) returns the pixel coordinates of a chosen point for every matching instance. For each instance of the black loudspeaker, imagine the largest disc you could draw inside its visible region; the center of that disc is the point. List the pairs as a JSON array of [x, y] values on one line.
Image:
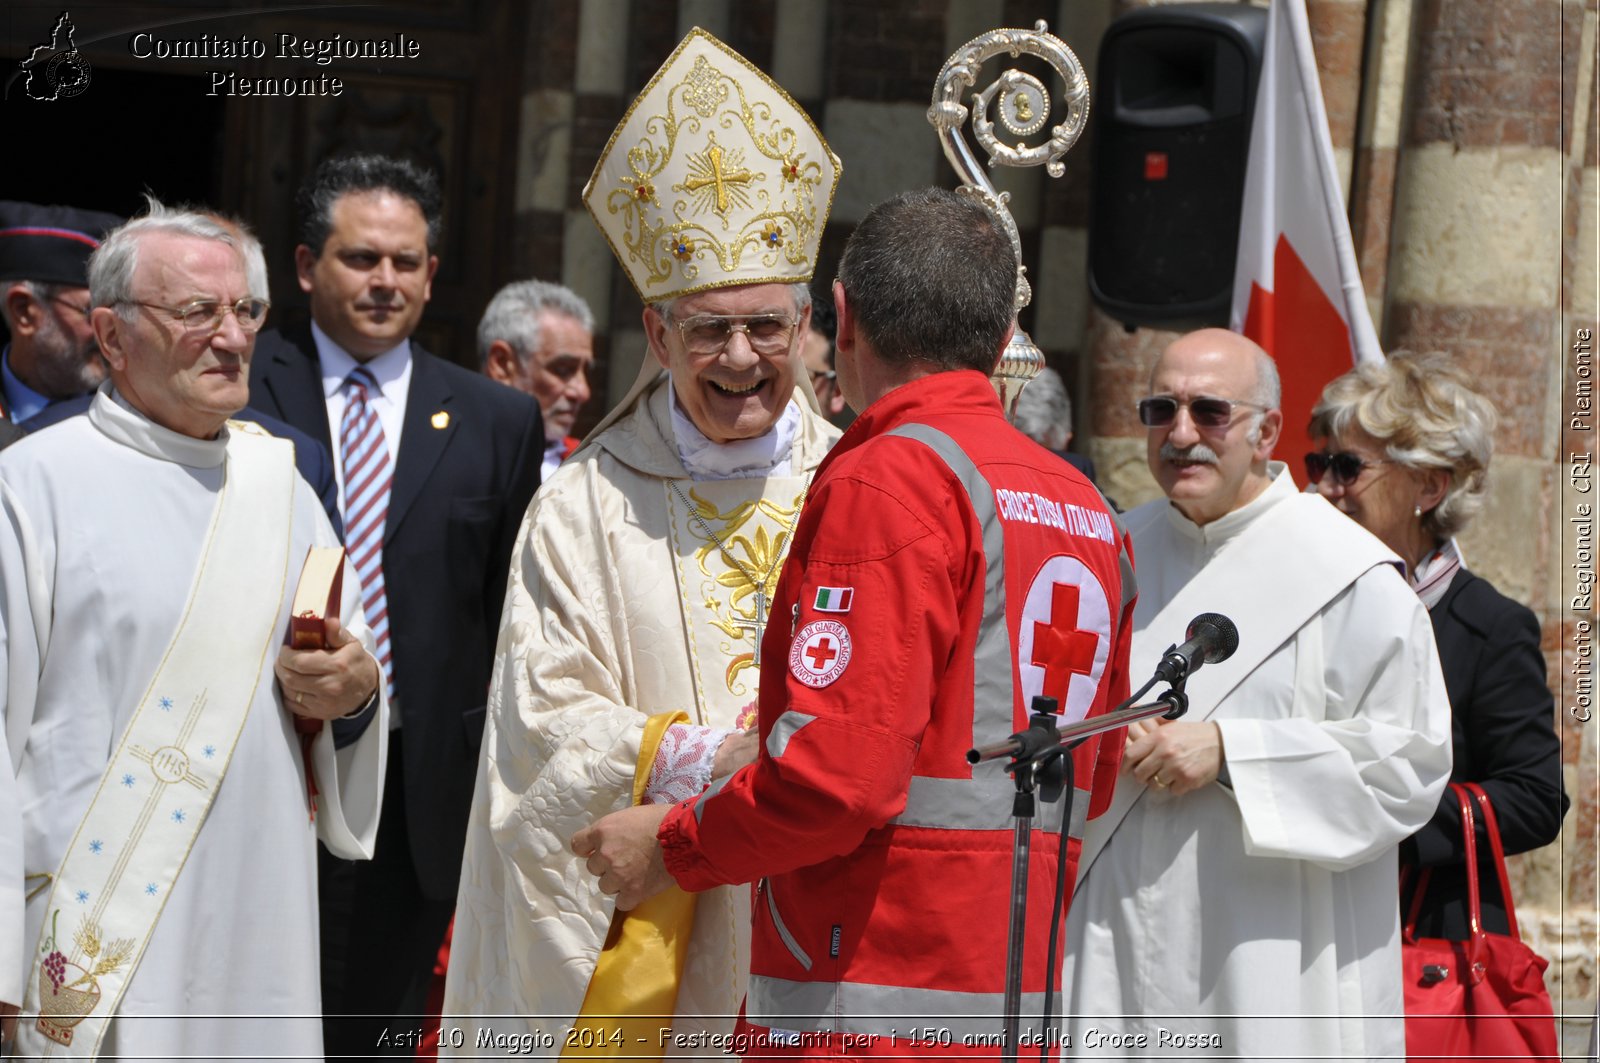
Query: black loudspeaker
[[1176, 90]]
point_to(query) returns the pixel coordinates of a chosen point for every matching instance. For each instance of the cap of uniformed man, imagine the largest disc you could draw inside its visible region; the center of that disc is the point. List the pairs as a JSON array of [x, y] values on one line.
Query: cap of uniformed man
[[44, 298]]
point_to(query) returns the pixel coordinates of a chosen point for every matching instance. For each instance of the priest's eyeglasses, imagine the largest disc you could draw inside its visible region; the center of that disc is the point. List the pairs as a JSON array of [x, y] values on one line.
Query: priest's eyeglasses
[[205, 315], [709, 334], [1206, 412], [1345, 468]]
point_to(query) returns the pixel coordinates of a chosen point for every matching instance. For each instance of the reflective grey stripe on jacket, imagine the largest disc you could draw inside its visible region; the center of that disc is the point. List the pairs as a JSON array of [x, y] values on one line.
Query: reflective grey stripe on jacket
[[982, 802], [861, 1007], [777, 742]]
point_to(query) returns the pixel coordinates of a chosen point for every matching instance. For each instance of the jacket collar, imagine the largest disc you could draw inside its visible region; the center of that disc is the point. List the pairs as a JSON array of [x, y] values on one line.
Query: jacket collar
[[964, 391]]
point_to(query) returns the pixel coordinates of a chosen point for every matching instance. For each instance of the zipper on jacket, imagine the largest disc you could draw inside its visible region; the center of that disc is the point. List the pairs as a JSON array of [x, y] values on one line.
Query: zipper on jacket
[[789, 942]]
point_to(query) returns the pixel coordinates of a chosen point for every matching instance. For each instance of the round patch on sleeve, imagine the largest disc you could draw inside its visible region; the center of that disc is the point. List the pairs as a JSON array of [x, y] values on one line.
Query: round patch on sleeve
[[819, 652]]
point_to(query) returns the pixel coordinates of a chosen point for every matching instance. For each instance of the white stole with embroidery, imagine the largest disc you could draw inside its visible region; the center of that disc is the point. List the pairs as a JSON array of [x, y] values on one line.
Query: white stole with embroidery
[[151, 803]]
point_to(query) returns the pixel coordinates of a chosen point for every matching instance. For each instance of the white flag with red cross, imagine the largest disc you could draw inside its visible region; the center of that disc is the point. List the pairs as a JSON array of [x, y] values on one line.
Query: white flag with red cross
[[1296, 288]]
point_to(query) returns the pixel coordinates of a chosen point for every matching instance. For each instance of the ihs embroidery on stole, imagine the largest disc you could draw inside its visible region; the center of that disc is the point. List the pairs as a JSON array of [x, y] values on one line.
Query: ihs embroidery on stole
[[721, 604]]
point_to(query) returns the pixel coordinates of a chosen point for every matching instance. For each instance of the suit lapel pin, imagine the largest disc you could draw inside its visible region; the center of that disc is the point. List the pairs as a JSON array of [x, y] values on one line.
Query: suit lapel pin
[[441, 420]]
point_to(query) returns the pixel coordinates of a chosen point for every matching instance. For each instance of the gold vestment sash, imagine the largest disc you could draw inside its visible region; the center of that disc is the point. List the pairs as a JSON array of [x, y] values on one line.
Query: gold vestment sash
[[634, 989]]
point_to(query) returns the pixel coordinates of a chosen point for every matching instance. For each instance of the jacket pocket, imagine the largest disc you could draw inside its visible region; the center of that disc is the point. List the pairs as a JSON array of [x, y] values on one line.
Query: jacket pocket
[[778, 924]]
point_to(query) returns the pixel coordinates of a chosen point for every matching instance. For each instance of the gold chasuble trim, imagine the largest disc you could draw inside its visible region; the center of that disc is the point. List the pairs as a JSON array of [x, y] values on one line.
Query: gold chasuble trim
[[634, 989], [729, 539]]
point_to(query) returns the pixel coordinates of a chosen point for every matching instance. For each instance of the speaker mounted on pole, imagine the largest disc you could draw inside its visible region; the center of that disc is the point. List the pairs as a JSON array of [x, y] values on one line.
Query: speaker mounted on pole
[[1174, 97]]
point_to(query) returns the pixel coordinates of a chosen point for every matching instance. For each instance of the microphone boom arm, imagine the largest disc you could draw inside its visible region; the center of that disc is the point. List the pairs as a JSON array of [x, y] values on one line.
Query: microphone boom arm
[[1024, 746]]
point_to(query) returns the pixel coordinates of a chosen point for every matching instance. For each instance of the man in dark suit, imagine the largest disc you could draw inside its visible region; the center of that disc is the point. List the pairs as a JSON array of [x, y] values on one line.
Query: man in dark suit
[[436, 464], [538, 337]]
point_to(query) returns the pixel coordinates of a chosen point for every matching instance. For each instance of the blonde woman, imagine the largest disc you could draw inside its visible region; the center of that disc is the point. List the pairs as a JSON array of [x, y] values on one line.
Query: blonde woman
[[1403, 449]]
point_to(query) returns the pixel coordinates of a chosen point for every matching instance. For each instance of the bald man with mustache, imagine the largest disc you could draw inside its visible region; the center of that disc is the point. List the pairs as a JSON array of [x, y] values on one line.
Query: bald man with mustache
[[1240, 891]]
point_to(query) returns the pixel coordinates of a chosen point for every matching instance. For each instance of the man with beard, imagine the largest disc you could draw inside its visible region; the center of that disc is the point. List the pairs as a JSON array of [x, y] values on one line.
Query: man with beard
[[1240, 889], [44, 298]]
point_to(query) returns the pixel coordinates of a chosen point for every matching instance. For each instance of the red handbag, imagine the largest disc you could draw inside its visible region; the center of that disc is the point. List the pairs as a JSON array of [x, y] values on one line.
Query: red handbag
[[1484, 998]]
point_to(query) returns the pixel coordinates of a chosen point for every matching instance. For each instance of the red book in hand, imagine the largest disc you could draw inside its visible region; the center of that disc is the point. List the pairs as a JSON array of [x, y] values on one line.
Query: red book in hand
[[316, 598]]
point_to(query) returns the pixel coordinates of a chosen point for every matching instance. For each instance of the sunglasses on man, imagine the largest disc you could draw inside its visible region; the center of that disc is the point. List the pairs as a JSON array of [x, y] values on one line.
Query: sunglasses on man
[[1205, 411]]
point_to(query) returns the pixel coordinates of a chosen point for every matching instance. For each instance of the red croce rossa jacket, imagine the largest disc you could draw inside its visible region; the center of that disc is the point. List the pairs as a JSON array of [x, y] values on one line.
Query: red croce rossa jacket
[[945, 570]]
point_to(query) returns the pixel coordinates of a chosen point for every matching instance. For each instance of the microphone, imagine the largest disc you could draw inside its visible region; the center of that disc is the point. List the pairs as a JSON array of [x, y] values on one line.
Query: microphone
[[1211, 639]]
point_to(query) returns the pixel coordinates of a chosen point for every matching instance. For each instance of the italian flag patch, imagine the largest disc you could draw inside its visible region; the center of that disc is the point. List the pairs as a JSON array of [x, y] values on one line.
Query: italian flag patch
[[834, 599]]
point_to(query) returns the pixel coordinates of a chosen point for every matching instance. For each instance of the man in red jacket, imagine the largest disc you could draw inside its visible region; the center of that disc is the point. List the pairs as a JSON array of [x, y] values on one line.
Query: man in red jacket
[[945, 572]]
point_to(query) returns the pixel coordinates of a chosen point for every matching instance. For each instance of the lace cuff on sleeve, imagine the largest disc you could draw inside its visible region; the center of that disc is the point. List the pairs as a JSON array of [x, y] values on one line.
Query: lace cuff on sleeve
[[682, 766]]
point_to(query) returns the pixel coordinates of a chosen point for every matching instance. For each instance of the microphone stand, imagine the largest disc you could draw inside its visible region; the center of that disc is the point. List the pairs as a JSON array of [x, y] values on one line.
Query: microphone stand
[[1040, 761]]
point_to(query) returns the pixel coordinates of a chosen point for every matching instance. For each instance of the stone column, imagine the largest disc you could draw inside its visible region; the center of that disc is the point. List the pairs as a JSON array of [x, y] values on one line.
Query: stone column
[[1575, 876], [1476, 270]]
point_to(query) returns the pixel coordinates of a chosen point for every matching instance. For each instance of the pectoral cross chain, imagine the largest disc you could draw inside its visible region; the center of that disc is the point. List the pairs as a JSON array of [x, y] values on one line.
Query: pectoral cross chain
[[758, 624]]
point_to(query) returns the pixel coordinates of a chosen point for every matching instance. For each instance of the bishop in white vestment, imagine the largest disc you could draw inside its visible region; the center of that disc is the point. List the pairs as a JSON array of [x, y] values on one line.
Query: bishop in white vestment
[[626, 668], [621, 608], [1239, 897], [182, 877]]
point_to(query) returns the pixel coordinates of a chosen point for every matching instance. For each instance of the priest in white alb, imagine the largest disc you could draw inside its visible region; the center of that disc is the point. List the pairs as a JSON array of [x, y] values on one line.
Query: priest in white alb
[[158, 828], [626, 669], [1238, 898]]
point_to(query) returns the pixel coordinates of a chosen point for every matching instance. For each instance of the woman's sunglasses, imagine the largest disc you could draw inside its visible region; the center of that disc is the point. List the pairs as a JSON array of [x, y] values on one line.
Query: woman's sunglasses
[[1161, 411], [1343, 466]]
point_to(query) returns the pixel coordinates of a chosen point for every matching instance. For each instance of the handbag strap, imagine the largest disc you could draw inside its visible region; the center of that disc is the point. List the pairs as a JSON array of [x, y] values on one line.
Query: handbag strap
[[1469, 835], [1492, 829], [1423, 877]]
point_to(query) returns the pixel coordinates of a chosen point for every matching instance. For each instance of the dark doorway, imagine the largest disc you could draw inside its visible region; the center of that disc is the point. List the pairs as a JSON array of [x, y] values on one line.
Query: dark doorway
[[135, 130]]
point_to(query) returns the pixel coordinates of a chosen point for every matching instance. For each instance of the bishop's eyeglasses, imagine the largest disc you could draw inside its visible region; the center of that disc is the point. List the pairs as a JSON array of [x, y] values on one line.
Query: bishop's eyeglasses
[[709, 334]]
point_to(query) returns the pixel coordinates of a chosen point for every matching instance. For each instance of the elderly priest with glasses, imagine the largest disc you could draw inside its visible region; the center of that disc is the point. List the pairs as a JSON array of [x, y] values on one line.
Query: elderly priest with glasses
[[1238, 896], [628, 655], [158, 823]]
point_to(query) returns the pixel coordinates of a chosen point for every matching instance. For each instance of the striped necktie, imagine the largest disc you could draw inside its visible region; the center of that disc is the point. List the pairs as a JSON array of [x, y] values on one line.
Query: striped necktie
[[365, 456]]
